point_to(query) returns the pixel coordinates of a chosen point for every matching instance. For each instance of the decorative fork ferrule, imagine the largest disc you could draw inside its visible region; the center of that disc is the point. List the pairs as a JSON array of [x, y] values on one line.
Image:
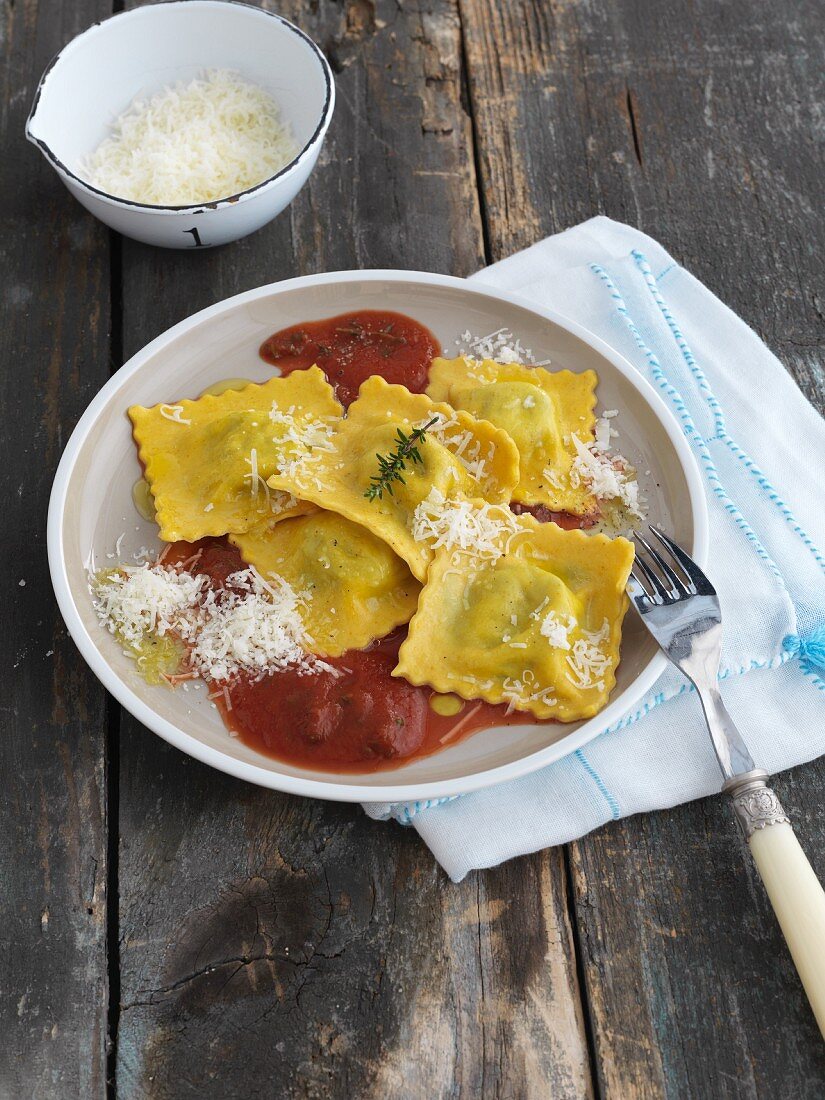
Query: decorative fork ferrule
[[754, 803]]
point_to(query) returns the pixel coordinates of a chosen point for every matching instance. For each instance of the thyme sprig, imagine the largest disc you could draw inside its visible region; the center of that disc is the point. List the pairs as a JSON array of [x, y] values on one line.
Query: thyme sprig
[[390, 466]]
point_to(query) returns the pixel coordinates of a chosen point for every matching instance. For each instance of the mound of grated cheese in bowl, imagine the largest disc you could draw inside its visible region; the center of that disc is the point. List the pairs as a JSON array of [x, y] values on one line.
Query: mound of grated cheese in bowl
[[190, 143]]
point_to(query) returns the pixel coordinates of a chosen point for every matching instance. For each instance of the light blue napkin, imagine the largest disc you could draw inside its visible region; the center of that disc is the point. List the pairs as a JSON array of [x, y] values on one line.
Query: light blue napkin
[[761, 447]]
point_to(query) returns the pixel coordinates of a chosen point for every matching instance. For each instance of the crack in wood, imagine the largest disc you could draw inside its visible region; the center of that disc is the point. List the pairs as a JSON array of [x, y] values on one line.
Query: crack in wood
[[634, 125], [208, 970]]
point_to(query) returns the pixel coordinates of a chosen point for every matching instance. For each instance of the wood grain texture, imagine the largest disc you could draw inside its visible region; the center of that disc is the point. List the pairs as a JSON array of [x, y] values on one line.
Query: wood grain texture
[[272, 946], [700, 126], [699, 123], [282, 947], [54, 319], [691, 989]]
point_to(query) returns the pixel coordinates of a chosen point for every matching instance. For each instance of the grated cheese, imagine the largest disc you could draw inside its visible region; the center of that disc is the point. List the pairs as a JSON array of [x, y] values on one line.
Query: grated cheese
[[173, 413], [305, 440], [501, 346], [462, 525], [555, 631], [586, 663], [552, 478], [137, 600], [192, 143], [252, 626], [279, 501], [604, 433], [461, 443], [525, 689], [253, 475], [256, 480], [604, 476]]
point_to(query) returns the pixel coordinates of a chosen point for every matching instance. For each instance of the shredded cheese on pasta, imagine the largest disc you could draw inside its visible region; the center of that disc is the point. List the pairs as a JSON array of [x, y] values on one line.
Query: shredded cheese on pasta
[[252, 625]]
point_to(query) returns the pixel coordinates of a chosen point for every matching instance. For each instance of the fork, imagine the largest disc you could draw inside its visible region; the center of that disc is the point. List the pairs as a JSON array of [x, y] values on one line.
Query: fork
[[680, 607]]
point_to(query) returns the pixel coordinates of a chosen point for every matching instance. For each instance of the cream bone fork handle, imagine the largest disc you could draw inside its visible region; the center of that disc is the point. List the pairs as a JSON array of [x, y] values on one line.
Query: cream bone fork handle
[[680, 608]]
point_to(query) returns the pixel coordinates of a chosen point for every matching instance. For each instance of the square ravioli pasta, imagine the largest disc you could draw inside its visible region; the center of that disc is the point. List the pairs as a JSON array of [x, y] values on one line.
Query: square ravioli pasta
[[535, 622], [541, 411], [207, 460], [352, 587], [460, 456]]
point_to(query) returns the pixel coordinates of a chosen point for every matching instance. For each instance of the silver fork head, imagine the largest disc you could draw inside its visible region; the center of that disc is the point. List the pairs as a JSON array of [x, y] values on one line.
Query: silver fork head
[[663, 581], [678, 605]]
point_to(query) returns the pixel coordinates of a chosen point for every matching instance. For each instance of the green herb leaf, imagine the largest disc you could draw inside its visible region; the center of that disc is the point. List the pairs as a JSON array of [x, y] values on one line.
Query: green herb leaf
[[391, 465]]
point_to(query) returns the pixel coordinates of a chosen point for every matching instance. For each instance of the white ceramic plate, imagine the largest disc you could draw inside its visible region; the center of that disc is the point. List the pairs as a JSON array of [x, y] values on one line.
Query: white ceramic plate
[[91, 508]]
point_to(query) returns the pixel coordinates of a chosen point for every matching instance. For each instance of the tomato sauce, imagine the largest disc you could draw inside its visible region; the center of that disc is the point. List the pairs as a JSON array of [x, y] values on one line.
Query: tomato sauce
[[352, 346], [546, 515], [358, 718], [215, 558]]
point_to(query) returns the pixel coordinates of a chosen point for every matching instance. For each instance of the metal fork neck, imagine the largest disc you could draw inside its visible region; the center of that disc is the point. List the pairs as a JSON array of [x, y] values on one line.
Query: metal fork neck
[[731, 751]]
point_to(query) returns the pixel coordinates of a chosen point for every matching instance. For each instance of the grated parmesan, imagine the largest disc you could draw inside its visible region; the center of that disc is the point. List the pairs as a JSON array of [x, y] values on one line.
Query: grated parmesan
[[555, 631], [173, 413], [461, 443], [463, 525], [501, 346], [138, 600], [252, 626], [192, 143], [304, 439], [604, 476], [525, 689], [586, 663]]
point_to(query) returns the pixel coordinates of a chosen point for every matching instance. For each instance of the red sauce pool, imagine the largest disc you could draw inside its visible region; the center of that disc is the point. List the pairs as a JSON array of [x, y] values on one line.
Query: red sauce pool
[[352, 346], [361, 720], [545, 515]]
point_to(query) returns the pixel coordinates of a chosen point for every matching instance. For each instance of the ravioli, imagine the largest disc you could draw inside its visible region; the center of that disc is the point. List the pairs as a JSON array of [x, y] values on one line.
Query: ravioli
[[207, 460], [536, 622], [357, 589], [460, 456], [540, 410]]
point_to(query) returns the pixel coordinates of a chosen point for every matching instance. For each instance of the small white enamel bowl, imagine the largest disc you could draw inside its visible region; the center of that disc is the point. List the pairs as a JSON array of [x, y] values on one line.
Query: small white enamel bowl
[[96, 77]]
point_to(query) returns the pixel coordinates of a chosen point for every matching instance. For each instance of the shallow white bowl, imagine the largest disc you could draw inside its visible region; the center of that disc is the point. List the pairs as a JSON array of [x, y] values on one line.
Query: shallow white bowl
[[100, 72], [91, 507]]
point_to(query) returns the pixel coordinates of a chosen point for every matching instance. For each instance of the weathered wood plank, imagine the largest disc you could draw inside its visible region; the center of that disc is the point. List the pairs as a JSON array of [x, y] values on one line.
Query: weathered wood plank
[[698, 126], [285, 947], [278, 947], [54, 324], [692, 990]]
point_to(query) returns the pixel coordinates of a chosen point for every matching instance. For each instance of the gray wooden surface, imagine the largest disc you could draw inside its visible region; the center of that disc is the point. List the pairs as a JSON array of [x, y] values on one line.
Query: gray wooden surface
[[166, 931]]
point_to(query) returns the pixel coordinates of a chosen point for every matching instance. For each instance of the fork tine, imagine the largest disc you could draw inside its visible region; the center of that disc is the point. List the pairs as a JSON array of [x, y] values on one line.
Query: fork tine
[[691, 569], [678, 586], [640, 585], [659, 592]]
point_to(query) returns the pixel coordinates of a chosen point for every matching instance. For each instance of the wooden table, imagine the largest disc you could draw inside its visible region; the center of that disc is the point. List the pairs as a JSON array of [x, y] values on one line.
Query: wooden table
[[167, 931]]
